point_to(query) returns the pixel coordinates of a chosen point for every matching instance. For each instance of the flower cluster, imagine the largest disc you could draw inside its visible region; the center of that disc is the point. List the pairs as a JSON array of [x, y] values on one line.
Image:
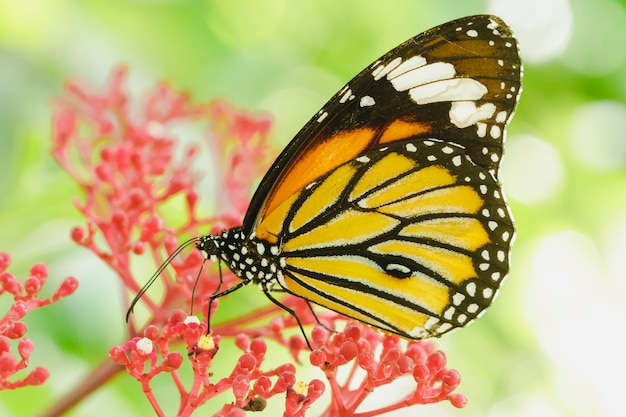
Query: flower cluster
[[373, 360], [127, 162], [250, 385], [25, 298], [141, 199]]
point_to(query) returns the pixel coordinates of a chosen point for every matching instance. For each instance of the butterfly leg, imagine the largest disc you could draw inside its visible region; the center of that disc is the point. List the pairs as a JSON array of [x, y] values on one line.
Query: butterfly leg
[[218, 295], [292, 313], [308, 303]]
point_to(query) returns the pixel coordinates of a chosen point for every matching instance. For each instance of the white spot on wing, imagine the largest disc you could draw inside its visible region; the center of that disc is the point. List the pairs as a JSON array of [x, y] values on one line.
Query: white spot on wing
[[481, 129], [345, 96], [418, 76], [408, 65], [465, 113], [457, 89], [381, 71], [367, 101], [495, 131], [471, 289], [492, 24], [472, 33]]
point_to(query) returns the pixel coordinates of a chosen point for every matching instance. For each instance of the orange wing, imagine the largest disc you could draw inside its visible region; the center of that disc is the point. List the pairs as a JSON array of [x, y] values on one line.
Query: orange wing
[[458, 82]]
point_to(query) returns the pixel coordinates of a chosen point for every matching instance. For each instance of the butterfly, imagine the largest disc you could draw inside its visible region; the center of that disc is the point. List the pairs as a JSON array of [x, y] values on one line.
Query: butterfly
[[386, 206]]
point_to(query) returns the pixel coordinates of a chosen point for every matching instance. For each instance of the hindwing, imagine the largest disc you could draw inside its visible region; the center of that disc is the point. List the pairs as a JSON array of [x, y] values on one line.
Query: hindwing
[[412, 238]]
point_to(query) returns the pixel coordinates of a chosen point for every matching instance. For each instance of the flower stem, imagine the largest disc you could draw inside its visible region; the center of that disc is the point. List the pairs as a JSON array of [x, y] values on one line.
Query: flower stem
[[100, 375]]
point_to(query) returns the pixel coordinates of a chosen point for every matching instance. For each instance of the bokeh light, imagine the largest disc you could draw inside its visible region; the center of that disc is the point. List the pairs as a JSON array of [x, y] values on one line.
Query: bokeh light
[[543, 27], [533, 171], [596, 135]]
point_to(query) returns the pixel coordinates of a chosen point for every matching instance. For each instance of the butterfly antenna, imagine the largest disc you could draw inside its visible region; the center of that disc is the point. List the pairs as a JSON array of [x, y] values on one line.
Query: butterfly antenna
[[153, 278]]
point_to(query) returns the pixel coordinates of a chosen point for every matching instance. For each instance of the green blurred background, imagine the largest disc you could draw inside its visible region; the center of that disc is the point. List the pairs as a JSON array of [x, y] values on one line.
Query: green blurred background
[[552, 343]]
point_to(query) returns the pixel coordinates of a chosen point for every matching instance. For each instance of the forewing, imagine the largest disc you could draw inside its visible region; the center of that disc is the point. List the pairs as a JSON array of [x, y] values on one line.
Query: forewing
[[458, 82]]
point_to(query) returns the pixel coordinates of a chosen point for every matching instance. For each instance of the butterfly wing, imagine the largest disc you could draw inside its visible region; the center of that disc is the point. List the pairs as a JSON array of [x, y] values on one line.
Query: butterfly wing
[[457, 82], [413, 238]]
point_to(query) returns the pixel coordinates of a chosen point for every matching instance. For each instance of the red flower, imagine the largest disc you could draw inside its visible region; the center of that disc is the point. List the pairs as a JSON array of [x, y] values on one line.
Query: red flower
[[25, 299], [141, 200]]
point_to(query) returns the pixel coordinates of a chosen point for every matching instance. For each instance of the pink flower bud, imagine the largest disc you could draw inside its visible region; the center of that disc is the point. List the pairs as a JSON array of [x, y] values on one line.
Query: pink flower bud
[[5, 261], [151, 332], [118, 355], [421, 373], [405, 365], [177, 316], [258, 347], [451, 381], [173, 361], [246, 363], [7, 365], [262, 386], [352, 332], [317, 358], [366, 360], [68, 286], [319, 336], [32, 285], [39, 270], [348, 351], [436, 362], [5, 344], [25, 348], [241, 385], [392, 356], [316, 389], [138, 248], [284, 381], [242, 341], [77, 234], [458, 400], [10, 284], [16, 331], [17, 310], [38, 376]]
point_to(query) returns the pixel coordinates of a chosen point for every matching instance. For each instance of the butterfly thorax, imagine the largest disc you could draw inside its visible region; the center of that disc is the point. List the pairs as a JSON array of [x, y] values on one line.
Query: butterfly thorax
[[253, 260]]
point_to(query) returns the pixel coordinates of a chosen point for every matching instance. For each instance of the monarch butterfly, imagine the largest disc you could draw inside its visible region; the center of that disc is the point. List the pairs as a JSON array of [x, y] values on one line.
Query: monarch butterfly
[[386, 206]]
